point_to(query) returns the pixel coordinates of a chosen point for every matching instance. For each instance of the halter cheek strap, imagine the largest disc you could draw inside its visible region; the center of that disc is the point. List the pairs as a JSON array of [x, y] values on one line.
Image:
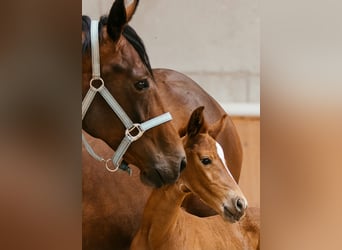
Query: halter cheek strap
[[133, 130]]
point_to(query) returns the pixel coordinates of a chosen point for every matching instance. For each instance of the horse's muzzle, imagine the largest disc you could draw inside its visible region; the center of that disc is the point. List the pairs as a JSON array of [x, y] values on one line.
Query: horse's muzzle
[[158, 177], [183, 164], [155, 179]]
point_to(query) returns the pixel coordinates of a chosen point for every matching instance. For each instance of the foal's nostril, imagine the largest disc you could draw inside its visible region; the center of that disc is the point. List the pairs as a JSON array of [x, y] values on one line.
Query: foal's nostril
[[183, 165], [240, 205]]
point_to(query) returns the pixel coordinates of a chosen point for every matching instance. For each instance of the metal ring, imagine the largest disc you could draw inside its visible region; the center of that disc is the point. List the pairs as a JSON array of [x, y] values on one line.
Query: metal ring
[[94, 79], [109, 169]]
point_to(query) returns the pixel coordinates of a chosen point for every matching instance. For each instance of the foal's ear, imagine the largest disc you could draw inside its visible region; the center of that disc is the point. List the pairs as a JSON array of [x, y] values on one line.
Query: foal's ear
[[217, 127], [119, 15], [182, 132], [196, 123]]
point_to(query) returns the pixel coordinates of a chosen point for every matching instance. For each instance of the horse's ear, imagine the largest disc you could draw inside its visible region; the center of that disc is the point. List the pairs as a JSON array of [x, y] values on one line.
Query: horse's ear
[[120, 14], [196, 123], [217, 127], [131, 6]]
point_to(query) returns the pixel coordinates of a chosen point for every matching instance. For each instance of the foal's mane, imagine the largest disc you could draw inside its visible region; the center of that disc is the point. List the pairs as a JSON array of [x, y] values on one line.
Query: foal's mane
[[128, 32]]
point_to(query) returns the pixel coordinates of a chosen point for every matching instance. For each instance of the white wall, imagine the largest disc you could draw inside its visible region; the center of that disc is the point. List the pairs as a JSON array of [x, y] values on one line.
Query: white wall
[[214, 42]]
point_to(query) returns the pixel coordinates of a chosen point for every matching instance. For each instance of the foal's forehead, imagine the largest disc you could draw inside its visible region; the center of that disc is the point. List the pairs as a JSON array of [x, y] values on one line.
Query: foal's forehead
[[202, 142]]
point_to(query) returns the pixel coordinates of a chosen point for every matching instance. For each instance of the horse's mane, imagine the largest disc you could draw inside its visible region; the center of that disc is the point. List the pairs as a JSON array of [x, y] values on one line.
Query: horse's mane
[[128, 32]]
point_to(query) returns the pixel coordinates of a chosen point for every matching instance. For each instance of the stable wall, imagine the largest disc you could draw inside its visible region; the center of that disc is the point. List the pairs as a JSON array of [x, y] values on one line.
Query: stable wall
[[249, 132], [214, 42]]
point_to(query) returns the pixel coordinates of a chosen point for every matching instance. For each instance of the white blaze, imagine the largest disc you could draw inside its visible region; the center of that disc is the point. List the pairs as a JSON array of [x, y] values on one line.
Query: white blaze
[[220, 153]]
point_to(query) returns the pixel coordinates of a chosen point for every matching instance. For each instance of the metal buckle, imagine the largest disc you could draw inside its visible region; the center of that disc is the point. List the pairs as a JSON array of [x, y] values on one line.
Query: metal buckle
[[135, 129]]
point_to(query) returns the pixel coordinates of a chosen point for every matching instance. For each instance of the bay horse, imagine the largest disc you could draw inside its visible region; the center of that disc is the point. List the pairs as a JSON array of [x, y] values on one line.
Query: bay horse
[[111, 202], [127, 74], [165, 225]]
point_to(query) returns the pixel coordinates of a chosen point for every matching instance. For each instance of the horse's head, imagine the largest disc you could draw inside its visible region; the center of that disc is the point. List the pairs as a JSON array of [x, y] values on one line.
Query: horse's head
[[207, 174], [128, 76]]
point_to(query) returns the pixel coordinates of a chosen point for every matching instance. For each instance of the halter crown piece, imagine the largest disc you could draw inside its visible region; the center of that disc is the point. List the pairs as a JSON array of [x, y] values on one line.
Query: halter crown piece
[[133, 130]]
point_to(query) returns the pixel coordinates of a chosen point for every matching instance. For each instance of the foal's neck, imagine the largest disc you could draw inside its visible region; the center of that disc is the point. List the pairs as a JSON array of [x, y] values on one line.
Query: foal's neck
[[163, 209]]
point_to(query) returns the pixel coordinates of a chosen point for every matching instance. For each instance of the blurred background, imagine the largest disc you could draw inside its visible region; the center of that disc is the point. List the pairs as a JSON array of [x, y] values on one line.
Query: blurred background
[[216, 43]]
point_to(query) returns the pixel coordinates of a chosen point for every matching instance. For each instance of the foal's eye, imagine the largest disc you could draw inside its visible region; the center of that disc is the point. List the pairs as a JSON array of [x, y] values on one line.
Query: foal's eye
[[141, 85], [206, 160]]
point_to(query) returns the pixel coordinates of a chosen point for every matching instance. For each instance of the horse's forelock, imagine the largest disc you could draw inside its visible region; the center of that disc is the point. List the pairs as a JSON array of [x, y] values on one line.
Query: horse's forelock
[[133, 38]]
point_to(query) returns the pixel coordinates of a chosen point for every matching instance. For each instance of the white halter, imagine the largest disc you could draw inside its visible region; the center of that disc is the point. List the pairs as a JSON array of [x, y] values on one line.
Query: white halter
[[137, 128]]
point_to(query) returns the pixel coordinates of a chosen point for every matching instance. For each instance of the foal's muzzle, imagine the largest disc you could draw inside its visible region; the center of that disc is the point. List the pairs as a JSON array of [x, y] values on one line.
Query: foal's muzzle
[[236, 209]]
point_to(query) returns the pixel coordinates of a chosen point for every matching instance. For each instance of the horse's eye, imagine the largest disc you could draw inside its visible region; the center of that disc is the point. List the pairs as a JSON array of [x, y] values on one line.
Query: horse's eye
[[141, 85], [206, 161]]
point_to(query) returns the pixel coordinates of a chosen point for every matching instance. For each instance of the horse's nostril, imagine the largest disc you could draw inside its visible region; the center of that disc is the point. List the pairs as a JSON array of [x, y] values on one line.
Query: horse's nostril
[[240, 205], [183, 164]]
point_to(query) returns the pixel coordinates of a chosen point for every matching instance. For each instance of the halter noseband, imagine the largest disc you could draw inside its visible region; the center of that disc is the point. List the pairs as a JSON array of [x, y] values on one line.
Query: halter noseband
[[133, 130]]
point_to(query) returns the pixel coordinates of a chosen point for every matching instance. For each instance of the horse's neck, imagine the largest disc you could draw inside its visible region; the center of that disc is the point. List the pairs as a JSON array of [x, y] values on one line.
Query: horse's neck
[[162, 210]]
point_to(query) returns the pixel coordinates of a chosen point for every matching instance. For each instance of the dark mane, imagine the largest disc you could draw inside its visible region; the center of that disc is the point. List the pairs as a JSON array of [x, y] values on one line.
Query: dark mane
[[128, 32]]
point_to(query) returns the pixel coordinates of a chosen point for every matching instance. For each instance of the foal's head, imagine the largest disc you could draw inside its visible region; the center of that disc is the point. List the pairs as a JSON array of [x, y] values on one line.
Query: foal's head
[[207, 174], [127, 74]]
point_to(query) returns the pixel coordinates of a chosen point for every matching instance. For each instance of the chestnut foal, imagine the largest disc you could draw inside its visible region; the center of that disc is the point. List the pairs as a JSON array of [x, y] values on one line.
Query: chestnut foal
[[165, 225]]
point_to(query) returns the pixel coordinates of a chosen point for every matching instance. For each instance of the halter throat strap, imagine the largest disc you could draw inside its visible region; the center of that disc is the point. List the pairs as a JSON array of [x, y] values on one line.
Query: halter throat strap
[[133, 130]]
